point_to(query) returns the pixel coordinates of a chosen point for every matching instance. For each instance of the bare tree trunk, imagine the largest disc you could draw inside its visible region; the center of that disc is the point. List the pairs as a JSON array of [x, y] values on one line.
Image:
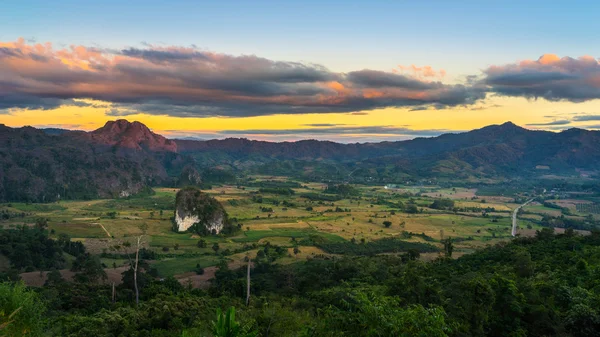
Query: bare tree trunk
[[248, 284], [114, 295], [135, 270]]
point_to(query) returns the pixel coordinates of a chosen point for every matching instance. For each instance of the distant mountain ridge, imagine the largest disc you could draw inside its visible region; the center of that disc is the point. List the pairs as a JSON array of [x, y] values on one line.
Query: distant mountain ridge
[[123, 158], [493, 149]]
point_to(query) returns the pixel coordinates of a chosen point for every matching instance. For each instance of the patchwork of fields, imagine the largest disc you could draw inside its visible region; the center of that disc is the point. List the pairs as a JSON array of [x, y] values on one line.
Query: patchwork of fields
[[295, 219]]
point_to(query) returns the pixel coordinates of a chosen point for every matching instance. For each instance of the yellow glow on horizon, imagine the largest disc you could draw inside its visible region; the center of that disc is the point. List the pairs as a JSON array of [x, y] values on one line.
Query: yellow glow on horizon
[[495, 110]]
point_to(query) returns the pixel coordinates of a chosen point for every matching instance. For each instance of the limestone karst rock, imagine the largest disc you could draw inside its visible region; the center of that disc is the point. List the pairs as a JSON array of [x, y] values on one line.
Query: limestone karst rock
[[189, 177], [199, 212]]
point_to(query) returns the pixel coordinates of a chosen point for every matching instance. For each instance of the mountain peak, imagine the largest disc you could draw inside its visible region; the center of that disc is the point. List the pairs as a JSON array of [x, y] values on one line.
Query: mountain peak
[[509, 124], [133, 135], [121, 125], [504, 127]]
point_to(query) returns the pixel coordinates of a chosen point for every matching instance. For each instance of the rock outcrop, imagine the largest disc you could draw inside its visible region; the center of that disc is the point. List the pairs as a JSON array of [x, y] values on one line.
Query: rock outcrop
[[199, 212], [137, 136], [189, 177]]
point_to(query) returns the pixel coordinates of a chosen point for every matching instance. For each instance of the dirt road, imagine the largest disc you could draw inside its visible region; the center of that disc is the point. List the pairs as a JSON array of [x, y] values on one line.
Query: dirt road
[[514, 217]]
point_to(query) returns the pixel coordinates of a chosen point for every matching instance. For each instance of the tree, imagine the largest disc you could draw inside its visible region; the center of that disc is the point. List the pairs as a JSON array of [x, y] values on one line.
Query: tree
[[135, 270], [582, 320], [21, 311], [471, 300], [508, 308], [366, 312], [446, 204], [216, 247], [247, 259], [54, 278], [448, 247], [201, 243], [412, 209], [41, 223], [89, 269], [387, 224], [413, 254], [134, 264]]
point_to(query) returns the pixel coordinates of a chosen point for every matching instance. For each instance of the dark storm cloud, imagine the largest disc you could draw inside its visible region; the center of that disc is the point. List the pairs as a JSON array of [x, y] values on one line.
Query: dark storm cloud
[[549, 77], [188, 82]]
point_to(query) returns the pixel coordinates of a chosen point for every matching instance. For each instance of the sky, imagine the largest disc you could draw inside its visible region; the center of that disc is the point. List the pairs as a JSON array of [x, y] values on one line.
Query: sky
[[347, 71]]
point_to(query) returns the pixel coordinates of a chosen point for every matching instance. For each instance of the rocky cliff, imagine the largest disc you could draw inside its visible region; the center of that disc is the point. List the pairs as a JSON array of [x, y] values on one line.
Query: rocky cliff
[[189, 177], [136, 135], [199, 212]]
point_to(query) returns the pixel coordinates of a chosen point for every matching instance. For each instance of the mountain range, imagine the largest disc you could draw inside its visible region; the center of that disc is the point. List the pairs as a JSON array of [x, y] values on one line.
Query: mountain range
[[124, 158]]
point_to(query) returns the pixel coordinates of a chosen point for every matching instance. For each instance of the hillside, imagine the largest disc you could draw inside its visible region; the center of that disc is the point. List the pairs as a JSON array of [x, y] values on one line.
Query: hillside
[[122, 158], [497, 150], [37, 166]]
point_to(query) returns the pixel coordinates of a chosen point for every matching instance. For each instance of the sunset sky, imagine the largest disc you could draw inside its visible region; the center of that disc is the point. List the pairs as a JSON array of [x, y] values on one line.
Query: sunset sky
[[349, 71]]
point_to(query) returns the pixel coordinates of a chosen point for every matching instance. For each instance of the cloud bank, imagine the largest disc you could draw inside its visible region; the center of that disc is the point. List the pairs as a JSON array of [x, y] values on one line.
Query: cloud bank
[[188, 82], [549, 77]]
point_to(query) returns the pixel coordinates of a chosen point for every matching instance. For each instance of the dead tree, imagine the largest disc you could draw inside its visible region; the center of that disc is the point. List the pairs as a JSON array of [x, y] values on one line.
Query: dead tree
[[133, 264], [248, 282], [135, 271]]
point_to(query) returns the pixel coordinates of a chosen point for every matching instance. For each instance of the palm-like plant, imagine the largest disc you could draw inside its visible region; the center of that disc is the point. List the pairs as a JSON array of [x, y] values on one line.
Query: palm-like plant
[[4, 322], [226, 326]]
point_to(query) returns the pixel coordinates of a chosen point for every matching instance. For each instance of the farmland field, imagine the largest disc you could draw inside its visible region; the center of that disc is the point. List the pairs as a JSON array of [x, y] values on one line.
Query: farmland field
[[588, 208], [304, 220]]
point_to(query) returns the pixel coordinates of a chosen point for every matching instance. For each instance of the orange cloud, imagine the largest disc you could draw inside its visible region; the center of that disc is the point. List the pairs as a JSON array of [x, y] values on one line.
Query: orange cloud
[[189, 82], [550, 77], [421, 72]]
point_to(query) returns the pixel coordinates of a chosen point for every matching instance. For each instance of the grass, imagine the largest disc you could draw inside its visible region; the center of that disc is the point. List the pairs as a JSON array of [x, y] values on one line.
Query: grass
[[361, 219], [41, 208], [257, 235], [539, 209], [180, 265], [78, 230], [161, 202]]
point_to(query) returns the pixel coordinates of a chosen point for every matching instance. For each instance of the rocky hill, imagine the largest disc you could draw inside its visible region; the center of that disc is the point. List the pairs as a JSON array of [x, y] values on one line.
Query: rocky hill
[[199, 212], [124, 134], [41, 167]]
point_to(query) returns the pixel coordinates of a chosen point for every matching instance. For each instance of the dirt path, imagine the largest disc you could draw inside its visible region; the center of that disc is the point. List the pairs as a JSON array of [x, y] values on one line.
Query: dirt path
[[104, 228], [514, 217]]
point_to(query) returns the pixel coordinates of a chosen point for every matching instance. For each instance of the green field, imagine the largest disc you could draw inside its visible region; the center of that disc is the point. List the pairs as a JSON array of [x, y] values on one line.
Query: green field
[[180, 265], [294, 219]]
